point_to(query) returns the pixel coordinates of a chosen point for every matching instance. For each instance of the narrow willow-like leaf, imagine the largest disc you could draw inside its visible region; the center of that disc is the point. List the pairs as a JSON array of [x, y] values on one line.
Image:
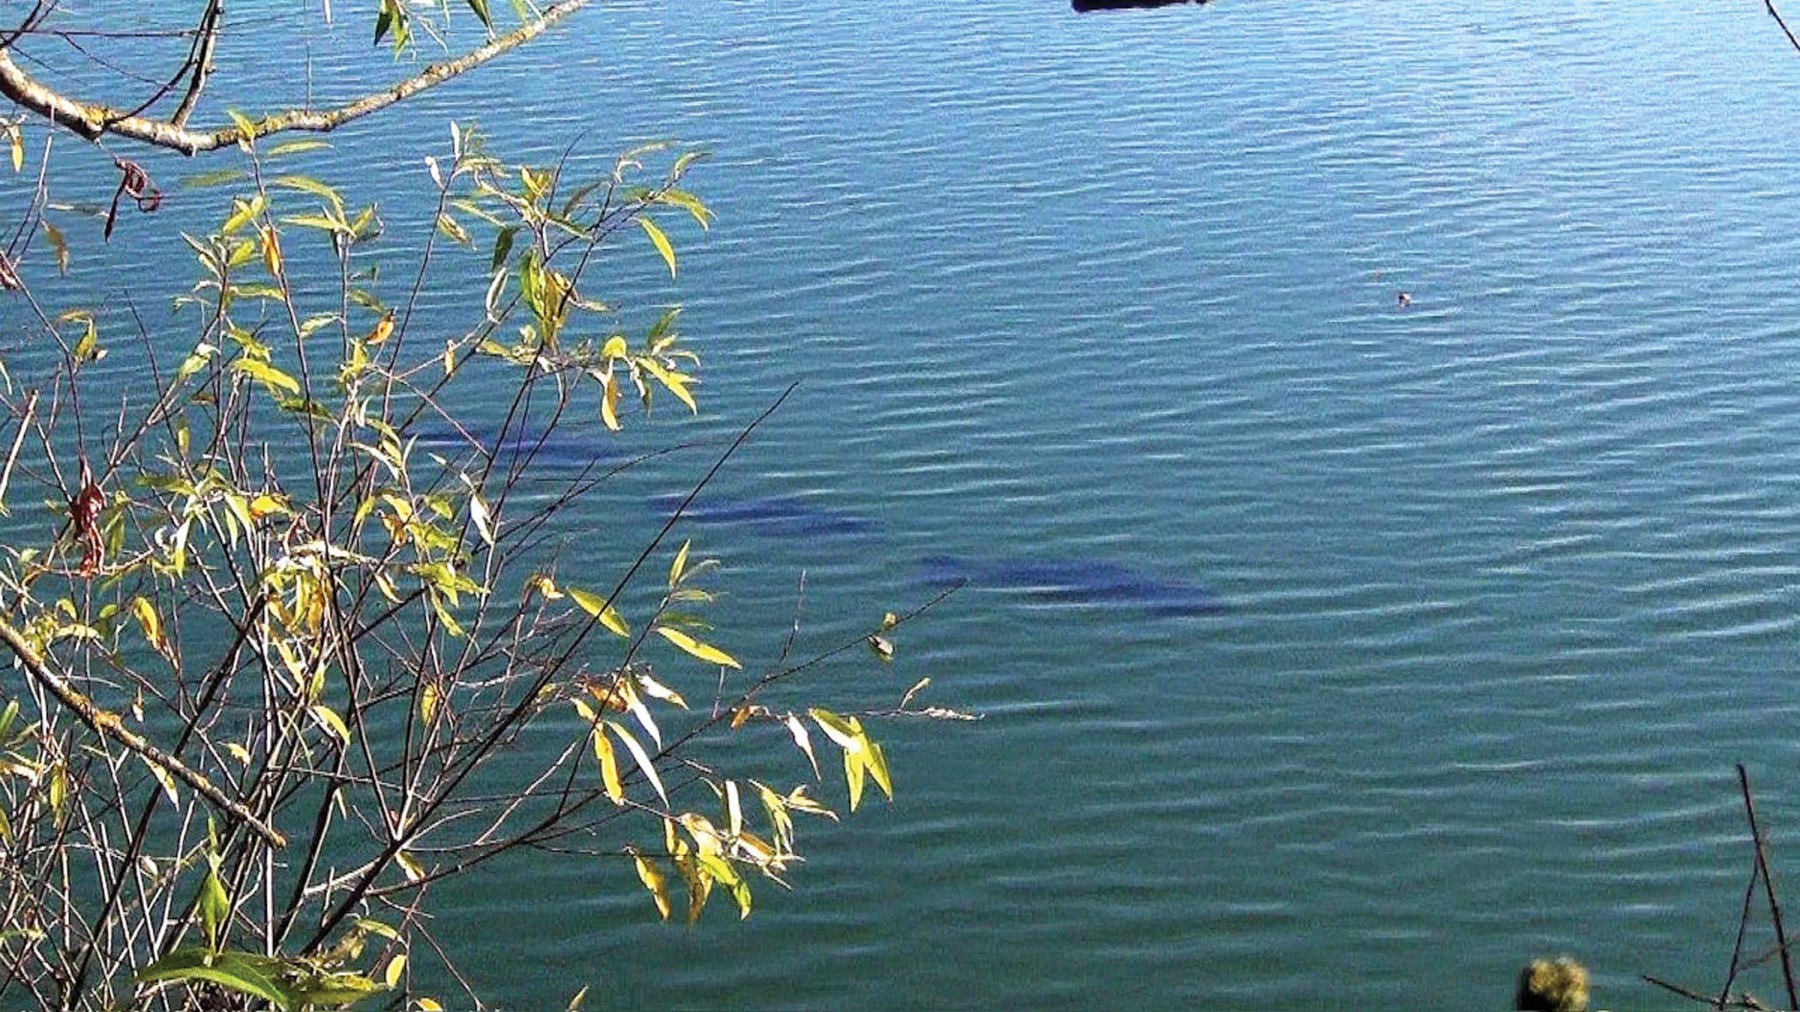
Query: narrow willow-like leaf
[[654, 880], [804, 740], [609, 765], [328, 719], [854, 767], [710, 654], [270, 376], [642, 759], [596, 606], [659, 240]]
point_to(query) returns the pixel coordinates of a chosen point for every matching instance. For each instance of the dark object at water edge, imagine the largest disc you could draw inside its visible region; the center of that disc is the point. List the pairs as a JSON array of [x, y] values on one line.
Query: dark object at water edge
[[1083, 6]]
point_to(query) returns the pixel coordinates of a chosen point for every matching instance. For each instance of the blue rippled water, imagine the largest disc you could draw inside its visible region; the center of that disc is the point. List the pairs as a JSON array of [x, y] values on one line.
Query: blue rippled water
[[1507, 577]]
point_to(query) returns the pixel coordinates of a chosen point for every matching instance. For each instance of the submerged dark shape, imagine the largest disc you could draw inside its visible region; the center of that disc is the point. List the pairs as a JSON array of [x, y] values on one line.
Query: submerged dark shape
[[543, 450], [1076, 582], [774, 516], [1083, 6]]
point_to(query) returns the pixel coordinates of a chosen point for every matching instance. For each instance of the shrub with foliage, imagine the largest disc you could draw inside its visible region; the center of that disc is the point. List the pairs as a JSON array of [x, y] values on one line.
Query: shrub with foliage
[[280, 668]]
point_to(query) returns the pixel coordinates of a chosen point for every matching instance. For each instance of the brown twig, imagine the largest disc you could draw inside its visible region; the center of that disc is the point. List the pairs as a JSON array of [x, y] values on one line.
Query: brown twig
[[1762, 867], [1743, 1001], [202, 57], [108, 725], [93, 120]]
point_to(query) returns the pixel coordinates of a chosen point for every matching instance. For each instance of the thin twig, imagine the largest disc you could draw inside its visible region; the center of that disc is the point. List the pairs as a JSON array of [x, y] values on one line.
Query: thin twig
[[1770, 4], [108, 725], [1737, 949], [1762, 866]]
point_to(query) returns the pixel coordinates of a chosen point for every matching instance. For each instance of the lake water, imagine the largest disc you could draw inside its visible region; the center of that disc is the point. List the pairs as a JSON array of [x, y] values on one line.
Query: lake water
[[1498, 585]]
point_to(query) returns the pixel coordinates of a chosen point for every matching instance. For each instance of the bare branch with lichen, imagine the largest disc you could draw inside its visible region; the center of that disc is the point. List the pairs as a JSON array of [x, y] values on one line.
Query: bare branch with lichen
[[94, 120]]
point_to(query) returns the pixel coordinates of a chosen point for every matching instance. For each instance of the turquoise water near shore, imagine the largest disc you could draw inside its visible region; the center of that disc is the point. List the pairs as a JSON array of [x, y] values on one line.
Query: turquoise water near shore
[[1506, 579]]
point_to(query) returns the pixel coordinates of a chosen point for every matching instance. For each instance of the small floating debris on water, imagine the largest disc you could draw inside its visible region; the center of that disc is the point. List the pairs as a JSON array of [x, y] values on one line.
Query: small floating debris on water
[[1083, 6], [1404, 299], [1559, 985]]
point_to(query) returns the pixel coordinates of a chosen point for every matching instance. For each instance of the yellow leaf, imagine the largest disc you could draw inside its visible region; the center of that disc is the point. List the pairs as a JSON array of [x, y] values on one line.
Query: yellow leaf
[[328, 719], [680, 564], [710, 654], [168, 782], [270, 376], [878, 768], [615, 347], [428, 1005], [409, 865], [428, 702], [655, 881], [660, 241], [853, 776], [609, 767], [268, 505], [145, 612], [596, 606], [18, 147], [59, 244], [271, 250], [383, 330], [675, 381], [609, 403], [242, 212], [395, 968]]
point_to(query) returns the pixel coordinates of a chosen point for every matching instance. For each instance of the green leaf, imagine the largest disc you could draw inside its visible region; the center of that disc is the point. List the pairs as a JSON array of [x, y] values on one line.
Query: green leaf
[[503, 244], [294, 148], [333, 989], [213, 903], [307, 184], [218, 177], [384, 21], [689, 203], [710, 654], [596, 606], [273, 378], [480, 8], [659, 240], [237, 971]]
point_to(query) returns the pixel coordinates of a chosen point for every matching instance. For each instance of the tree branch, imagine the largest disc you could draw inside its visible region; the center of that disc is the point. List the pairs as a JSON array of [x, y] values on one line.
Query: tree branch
[[201, 57], [93, 120], [108, 725]]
